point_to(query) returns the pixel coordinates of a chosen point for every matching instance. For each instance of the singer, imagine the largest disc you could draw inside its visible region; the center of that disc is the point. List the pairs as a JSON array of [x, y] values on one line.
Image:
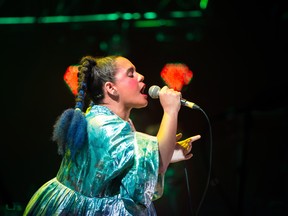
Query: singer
[[109, 168]]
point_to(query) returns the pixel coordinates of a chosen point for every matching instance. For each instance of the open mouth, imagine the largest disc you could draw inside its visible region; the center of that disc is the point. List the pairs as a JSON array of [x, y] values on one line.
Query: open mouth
[[142, 91]]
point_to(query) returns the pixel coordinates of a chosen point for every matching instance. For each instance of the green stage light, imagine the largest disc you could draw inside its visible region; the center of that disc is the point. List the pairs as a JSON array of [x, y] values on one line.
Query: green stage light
[[17, 20], [185, 14], [84, 18], [203, 4], [150, 15], [148, 19], [154, 23], [129, 16]]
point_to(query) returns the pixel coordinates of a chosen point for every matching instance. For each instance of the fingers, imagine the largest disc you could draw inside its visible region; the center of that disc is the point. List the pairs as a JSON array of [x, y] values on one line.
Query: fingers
[[178, 136], [168, 91], [187, 143], [194, 138], [187, 157], [170, 99], [189, 148]]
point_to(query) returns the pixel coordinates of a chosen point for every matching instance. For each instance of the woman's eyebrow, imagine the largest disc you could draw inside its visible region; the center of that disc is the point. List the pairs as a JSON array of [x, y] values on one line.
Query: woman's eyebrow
[[131, 69]]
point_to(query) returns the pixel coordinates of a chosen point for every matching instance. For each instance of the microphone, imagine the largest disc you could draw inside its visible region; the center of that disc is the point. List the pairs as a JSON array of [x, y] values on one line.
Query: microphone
[[154, 93]]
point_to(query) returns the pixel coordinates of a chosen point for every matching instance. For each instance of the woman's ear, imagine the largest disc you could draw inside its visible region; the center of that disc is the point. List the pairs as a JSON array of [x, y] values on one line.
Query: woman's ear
[[110, 88]]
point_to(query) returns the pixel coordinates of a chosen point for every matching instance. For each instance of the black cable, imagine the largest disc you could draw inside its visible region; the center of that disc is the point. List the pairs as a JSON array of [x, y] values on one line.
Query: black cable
[[188, 189], [209, 170]]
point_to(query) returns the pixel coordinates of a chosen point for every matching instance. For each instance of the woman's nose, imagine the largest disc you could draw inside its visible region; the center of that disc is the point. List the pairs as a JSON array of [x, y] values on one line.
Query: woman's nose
[[140, 77]]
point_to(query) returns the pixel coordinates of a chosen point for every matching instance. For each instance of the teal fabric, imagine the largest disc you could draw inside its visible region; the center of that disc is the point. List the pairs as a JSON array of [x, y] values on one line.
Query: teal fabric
[[115, 173]]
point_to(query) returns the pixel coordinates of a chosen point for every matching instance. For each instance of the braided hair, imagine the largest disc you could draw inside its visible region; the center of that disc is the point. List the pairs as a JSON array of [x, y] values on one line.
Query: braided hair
[[70, 129]]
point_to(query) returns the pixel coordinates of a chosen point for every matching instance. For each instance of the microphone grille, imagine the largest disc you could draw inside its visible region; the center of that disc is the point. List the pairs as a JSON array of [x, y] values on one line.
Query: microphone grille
[[154, 91]]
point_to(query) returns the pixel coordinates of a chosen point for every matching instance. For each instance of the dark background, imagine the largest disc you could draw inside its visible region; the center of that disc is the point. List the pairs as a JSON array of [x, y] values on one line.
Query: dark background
[[237, 51]]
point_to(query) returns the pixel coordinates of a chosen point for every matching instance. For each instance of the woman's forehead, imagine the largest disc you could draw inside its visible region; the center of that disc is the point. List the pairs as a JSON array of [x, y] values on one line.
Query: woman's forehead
[[122, 62]]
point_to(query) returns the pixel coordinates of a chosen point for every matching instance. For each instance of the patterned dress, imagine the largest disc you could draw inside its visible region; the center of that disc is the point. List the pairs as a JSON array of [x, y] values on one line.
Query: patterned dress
[[115, 173]]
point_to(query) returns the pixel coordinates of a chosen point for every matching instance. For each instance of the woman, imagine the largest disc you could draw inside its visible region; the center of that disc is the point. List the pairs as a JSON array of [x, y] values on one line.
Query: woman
[[108, 168]]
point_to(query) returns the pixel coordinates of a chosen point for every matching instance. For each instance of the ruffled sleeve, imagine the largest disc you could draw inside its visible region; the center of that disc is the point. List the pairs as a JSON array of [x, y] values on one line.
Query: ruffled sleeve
[[142, 184]]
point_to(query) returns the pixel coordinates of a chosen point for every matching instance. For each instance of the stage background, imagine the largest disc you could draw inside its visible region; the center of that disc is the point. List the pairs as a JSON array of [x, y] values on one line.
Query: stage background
[[237, 51]]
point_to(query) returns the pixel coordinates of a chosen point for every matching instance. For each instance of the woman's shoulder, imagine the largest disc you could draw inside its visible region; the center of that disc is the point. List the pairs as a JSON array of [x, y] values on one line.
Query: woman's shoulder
[[101, 116]]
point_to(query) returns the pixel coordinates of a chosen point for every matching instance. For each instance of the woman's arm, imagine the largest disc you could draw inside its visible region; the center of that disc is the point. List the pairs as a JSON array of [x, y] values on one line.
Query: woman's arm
[[170, 101]]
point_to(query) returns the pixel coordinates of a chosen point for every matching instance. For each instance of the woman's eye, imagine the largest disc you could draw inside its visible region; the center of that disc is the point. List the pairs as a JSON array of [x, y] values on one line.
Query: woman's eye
[[131, 74]]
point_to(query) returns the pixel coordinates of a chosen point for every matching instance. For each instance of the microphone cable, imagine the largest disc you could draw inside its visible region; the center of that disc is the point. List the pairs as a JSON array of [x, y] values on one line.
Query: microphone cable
[[209, 171], [154, 93]]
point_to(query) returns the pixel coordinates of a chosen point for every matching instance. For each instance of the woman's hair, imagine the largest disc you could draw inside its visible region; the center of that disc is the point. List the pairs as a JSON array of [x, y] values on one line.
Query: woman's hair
[[93, 74], [70, 129]]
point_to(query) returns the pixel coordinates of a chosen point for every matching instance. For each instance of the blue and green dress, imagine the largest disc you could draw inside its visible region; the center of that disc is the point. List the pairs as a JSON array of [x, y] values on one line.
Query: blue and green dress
[[114, 173]]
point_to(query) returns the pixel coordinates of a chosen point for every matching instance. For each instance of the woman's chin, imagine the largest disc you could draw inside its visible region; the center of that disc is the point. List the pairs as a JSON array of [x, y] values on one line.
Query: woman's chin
[[141, 105]]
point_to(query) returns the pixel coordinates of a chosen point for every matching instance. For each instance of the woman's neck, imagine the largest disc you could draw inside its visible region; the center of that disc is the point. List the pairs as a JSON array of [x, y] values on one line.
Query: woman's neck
[[121, 111]]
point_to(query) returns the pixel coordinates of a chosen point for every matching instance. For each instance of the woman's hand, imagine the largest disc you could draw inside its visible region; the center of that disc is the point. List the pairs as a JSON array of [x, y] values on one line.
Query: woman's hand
[[170, 100], [183, 148]]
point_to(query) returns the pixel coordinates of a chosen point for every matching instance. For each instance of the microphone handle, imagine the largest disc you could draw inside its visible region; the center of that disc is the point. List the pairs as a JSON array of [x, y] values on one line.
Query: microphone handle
[[189, 104]]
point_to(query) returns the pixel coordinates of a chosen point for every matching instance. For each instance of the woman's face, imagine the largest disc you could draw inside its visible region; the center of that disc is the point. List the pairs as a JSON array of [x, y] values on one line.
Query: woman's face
[[129, 84]]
